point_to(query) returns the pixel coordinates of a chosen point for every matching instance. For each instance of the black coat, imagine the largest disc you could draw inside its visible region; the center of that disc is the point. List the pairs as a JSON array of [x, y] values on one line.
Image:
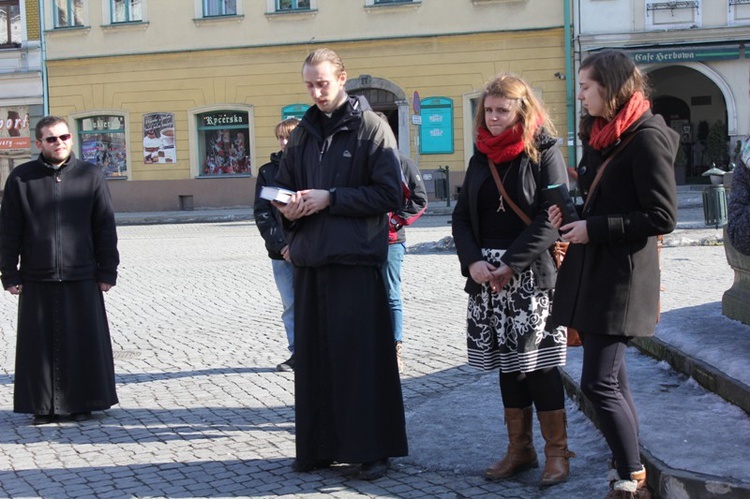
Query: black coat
[[266, 215], [356, 159], [531, 247], [60, 223], [611, 284]]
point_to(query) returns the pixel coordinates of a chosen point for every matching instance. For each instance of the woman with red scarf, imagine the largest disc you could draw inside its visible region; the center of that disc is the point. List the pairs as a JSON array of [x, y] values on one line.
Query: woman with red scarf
[[510, 274], [608, 285]]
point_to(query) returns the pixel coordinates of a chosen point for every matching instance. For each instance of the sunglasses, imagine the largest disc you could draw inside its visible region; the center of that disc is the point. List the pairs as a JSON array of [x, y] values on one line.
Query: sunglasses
[[53, 139]]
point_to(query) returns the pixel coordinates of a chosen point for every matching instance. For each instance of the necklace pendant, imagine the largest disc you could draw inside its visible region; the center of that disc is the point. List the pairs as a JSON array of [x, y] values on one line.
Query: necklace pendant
[[501, 206]]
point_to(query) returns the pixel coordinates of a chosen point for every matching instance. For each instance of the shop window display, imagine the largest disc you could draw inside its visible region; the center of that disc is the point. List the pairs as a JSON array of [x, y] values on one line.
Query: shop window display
[[223, 138], [102, 142]]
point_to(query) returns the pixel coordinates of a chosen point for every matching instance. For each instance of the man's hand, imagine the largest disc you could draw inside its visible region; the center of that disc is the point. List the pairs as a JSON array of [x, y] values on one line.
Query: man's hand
[[304, 203], [285, 254], [104, 286], [15, 290]]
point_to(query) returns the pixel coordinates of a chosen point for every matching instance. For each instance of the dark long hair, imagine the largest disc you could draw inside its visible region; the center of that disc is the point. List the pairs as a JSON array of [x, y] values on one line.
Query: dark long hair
[[619, 78]]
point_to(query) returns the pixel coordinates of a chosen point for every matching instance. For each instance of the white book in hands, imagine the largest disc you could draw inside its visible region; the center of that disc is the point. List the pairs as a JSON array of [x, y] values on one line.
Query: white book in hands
[[277, 194]]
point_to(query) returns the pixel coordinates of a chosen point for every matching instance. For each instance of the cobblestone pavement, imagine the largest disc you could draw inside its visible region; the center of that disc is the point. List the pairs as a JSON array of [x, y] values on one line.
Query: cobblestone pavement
[[203, 412]]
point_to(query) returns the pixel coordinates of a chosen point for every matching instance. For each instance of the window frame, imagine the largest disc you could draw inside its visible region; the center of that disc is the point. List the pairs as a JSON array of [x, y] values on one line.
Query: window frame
[[78, 132], [110, 4], [197, 156], [222, 7], [9, 23], [70, 7], [295, 6]]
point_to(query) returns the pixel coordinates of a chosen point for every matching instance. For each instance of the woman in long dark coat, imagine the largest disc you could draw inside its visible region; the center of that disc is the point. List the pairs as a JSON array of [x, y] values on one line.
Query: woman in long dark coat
[[608, 285]]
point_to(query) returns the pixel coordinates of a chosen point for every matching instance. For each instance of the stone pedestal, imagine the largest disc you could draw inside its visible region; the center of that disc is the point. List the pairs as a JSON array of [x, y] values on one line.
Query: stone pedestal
[[735, 303]]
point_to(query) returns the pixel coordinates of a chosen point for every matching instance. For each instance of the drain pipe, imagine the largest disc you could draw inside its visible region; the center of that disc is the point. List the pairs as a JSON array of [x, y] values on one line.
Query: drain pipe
[[570, 107], [43, 42]]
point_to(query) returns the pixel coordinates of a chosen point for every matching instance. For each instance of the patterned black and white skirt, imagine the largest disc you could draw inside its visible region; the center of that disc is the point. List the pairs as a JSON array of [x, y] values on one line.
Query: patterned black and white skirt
[[508, 329]]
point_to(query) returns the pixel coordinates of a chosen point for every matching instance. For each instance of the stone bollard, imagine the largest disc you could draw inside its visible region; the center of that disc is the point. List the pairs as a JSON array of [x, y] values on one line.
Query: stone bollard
[[735, 303]]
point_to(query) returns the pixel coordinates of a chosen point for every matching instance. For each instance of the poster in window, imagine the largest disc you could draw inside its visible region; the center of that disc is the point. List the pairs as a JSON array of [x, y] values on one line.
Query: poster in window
[[159, 139], [14, 129]]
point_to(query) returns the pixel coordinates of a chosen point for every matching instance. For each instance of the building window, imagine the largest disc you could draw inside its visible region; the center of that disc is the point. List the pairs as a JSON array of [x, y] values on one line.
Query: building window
[[283, 5], [378, 2], [213, 8], [126, 11], [10, 23], [69, 13], [223, 143], [102, 142]]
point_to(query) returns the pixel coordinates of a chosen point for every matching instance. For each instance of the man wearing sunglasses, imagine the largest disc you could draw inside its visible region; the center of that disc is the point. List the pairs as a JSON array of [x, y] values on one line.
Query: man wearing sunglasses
[[58, 253]]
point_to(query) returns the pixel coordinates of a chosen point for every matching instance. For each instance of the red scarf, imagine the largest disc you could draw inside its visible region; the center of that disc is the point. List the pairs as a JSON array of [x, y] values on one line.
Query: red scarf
[[605, 133], [503, 148]]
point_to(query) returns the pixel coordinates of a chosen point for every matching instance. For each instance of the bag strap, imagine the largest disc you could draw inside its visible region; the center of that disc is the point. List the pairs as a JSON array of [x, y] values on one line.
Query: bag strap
[[523, 216], [599, 172]]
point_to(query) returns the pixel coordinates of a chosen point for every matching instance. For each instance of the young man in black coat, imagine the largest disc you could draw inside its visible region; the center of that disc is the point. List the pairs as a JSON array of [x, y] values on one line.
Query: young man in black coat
[[57, 219]]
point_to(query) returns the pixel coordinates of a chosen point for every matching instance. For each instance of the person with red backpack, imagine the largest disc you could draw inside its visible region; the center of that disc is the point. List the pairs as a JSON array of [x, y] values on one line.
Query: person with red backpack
[[415, 204]]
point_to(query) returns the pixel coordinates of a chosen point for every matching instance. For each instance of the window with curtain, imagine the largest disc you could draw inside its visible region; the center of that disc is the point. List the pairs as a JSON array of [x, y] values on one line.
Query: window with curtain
[[213, 8], [68, 13], [284, 5], [10, 23], [126, 11]]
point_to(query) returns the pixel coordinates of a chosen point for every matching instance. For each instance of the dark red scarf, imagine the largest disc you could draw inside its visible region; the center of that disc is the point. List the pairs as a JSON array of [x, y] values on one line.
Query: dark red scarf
[[503, 148], [605, 133]]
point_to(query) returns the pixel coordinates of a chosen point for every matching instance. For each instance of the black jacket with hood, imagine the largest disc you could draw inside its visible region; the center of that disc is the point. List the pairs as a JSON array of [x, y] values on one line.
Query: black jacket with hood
[[353, 155]]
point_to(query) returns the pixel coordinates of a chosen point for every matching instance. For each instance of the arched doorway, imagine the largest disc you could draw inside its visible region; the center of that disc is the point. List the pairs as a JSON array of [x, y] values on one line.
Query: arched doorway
[[388, 98], [694, 105]]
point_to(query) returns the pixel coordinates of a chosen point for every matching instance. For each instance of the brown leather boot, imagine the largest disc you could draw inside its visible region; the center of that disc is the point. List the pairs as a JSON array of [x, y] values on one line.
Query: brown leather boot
[[557, 465], [521, 454]]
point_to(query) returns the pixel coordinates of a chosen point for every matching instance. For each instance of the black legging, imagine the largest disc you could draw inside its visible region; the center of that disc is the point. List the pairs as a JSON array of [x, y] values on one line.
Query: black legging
[[544, 388], [604, 381]]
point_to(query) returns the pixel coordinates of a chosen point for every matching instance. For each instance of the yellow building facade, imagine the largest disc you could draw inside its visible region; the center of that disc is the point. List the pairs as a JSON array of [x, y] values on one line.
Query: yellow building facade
[[178, 105]]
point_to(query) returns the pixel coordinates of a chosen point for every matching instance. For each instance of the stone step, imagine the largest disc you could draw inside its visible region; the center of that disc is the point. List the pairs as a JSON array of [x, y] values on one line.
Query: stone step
[[693, 442]]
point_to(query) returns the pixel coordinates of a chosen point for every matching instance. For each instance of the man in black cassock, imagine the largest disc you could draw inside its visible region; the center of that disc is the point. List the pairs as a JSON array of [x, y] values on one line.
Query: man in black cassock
[[343, 165], [57, 218]]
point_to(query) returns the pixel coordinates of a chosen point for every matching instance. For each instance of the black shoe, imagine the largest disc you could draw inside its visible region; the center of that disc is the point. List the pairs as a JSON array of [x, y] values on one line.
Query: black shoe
[[305, 467], [80, 416], [374, 469], [286, 366], [40, 419]]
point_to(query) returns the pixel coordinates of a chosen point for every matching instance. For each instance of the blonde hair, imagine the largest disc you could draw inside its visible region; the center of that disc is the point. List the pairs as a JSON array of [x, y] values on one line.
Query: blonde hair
[[531, 111], [322, 55], [285, 127]]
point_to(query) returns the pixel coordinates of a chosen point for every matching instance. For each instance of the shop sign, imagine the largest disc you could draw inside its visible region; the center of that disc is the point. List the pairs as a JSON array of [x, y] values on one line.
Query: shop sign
[[685, 54], [294, 111], [436, 133], [224, 119], [103, 124], [14, 128]]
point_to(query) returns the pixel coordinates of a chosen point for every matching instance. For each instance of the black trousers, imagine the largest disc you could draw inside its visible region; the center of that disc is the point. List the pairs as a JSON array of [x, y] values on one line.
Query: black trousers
[[604, 381]]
